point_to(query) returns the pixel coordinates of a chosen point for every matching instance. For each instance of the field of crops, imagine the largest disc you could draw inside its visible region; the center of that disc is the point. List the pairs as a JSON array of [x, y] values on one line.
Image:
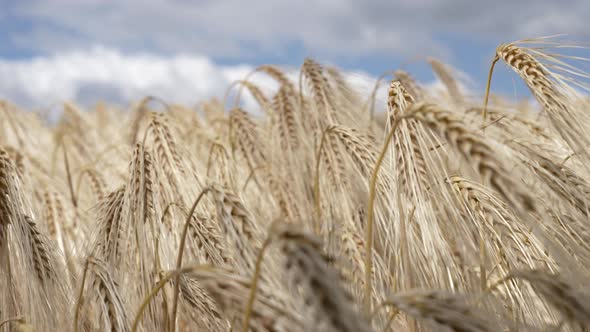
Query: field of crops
[[320, 212]]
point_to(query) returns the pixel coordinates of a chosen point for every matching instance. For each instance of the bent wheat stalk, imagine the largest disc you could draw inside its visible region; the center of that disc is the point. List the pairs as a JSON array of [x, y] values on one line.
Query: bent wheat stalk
[[179, 258]]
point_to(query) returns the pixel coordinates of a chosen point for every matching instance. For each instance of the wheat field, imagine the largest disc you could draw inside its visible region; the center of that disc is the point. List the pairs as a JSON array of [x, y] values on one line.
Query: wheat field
[[444, 212]]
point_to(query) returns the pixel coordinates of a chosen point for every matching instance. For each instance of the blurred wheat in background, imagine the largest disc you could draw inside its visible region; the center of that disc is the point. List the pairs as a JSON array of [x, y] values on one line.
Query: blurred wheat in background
[[331, 209]]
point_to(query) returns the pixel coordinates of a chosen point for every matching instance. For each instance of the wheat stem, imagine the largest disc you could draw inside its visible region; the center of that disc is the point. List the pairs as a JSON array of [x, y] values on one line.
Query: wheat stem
[[254, 284], [370, 213], [179, 258], [488, 84], [156, 289], [80, 295]]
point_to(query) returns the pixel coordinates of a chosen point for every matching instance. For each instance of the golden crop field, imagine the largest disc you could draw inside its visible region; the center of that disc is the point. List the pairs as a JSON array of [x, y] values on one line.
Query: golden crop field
[[446, 212]]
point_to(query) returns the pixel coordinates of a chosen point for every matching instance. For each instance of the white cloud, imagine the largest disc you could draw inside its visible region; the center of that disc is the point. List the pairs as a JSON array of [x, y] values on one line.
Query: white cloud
[[106, 74]]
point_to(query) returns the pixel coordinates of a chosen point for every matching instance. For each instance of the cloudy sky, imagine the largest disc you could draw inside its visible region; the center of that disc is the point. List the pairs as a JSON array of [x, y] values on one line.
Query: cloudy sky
[[186, 50]]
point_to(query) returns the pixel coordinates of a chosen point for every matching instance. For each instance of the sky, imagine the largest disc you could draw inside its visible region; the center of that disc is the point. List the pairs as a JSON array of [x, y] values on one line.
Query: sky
[[184, 51]]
